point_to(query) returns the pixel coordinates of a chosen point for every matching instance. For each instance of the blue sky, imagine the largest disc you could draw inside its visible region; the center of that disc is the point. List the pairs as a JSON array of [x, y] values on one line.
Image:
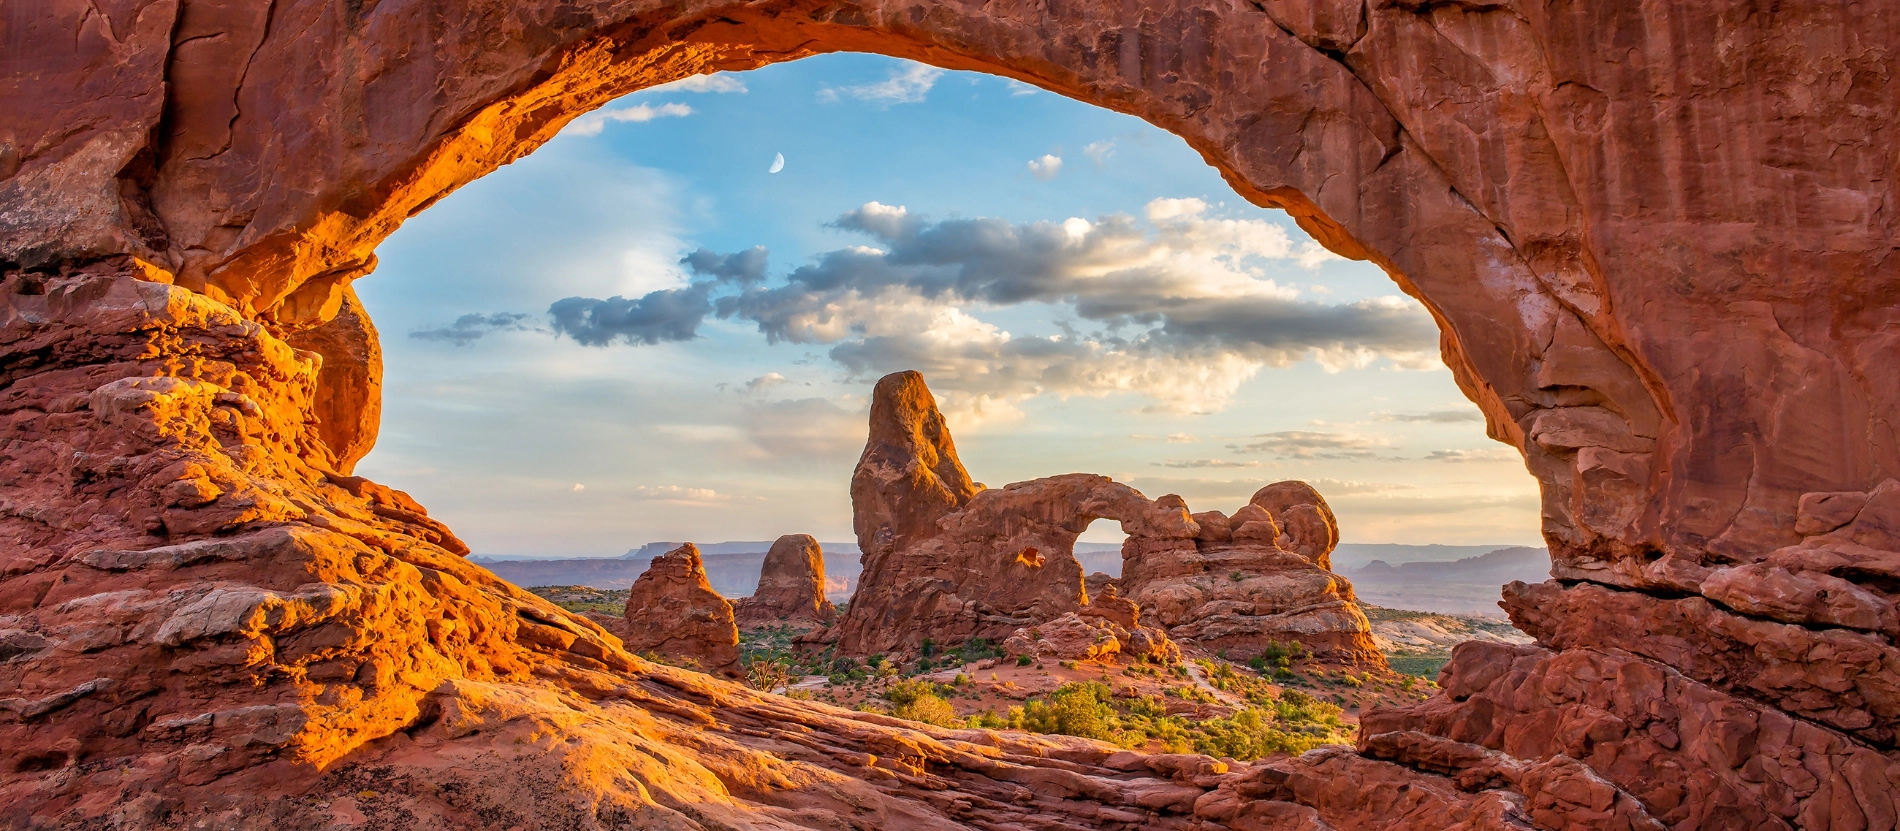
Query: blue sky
[[1081, 290]]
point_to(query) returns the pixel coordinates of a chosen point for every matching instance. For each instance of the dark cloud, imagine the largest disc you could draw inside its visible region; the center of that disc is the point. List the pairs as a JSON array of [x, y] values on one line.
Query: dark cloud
[[742, 267], [657, 317], [1437, 417], [1306, 444], [1177, 308], [470, 328], [1109, 271]]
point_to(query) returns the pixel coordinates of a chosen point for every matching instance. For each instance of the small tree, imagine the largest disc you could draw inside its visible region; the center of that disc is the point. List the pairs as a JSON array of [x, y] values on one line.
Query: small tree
[[767, 674]]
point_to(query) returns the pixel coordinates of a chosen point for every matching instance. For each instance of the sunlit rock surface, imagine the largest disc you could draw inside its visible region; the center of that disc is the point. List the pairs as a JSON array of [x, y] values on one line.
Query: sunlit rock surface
[[1658, 238], [1003, 563]]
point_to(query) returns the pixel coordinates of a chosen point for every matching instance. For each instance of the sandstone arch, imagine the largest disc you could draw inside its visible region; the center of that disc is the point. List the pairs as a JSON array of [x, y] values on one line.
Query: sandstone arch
[[1659, 239]]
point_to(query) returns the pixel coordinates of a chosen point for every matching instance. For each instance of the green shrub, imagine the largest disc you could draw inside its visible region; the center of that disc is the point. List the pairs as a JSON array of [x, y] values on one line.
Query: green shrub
[[1024, 660], [929, 709]]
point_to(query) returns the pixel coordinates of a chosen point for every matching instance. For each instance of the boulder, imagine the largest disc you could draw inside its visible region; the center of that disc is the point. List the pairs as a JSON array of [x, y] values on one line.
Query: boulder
[[1235, 589], [672, 611], [791, 587]]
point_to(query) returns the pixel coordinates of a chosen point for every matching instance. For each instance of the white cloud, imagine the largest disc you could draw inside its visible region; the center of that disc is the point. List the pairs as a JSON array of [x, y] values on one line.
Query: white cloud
[[1099, 151], [720, 82], [1019, 88], [578, 487], [1488, 454], [681, 495], [1308, 444], [908, 84], [1047, 167], [592, 123], [764, 382]]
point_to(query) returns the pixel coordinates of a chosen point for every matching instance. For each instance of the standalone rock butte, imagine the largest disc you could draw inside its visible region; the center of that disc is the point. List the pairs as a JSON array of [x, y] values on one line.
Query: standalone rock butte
[[673, 611], [791, 586], [1004, 563], [1658, 238]]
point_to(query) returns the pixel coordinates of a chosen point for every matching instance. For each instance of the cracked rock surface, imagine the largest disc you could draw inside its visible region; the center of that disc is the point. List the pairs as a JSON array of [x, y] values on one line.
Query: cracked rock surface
[[1658, 239]]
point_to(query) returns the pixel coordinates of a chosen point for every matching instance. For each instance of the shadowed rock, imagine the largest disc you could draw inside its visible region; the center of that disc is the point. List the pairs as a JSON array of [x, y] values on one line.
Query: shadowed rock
[[1675, 297], [791, 586], [1005, 560], [673, 611]]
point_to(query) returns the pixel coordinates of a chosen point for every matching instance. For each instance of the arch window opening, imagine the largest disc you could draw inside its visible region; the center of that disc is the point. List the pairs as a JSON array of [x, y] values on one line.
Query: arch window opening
[[664, 326]]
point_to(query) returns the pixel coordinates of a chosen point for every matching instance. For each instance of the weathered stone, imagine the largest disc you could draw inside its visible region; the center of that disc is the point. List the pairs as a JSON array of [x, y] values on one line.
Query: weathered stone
[[1235, 589], [1676, 297], [673, 611], [791, 586]]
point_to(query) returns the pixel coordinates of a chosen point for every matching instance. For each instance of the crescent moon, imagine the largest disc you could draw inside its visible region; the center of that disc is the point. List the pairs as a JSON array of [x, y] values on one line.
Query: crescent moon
[[778, 163]]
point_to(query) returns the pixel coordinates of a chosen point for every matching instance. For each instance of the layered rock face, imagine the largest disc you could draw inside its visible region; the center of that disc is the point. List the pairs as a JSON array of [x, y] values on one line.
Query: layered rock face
[[1257, 578], [1675, 295], [1004, 562], [791, 586], [673, 611]]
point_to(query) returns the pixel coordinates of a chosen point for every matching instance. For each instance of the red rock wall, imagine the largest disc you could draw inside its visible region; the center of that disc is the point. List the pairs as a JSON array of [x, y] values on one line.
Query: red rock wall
[[1658, 238]]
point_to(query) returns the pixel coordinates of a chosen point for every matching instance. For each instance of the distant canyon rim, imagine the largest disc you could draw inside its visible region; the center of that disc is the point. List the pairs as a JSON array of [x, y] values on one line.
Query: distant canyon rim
[[1658, 238]]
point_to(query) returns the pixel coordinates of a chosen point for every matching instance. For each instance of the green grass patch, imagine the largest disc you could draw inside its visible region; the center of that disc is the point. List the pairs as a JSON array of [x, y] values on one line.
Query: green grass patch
[[1422, 666]]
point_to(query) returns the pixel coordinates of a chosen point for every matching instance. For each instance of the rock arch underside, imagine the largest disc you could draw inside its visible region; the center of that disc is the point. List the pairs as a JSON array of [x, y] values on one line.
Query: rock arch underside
[[1659, 238]]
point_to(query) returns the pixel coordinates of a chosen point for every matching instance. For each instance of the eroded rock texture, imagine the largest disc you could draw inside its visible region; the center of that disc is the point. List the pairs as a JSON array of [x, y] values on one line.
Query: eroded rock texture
[[791, 586], [1003, 563], [1260, 577], [1658, 238], [672, 611]]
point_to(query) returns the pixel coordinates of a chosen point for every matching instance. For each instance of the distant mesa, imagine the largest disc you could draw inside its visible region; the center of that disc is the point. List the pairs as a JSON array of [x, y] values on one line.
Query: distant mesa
[[1454, 587]]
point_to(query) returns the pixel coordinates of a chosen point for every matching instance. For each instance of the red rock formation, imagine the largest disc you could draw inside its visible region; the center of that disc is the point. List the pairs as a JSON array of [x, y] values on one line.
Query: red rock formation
[[1004, 562], [909, 475], [1244, 582], [791, 586], [673, 611], [1676, 296]]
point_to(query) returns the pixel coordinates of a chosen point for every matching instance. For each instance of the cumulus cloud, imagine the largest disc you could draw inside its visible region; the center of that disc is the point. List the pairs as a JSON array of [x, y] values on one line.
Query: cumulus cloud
[[1308, 444], [592, 123], [907, 84], [1181, 308], [764, 382], [473, 327], [720, 82], [1046, 167], [1436, 417], [1186, 311], [744, 268], [657, 317]]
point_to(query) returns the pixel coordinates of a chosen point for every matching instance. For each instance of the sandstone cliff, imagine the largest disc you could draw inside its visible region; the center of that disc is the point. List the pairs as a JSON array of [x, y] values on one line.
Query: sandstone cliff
[[791, 586], [673, 612], [1005, 560], [1658, 239]]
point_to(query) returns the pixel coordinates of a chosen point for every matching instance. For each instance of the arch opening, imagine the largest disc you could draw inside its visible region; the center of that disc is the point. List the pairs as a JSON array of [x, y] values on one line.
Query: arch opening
[[1025, 209]]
